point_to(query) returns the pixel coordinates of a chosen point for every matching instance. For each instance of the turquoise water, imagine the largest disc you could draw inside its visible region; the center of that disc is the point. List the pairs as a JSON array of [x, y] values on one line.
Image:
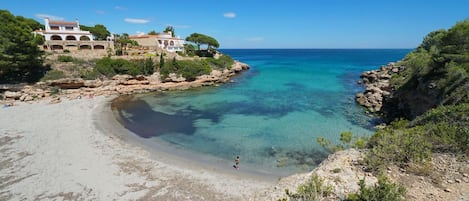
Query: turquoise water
[[270, 115]]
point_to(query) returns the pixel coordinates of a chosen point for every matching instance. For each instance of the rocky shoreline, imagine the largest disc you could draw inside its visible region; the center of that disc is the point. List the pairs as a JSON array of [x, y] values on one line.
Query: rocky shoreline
[[377, 86], [73, 88]]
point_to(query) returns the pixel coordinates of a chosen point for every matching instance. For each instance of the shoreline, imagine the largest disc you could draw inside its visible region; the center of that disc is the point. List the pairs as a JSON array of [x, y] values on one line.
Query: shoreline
[[163, 151], [59, 151]]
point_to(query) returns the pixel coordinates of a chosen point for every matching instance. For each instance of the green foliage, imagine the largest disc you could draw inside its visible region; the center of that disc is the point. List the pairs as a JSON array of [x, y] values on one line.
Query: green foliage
[[109, 67], [201, 39], [152, 32], [223, 62], [89, 74], [53, 75], [55, 90], [188, 69], [65, 58], [99, 31], [20, 58], [169, 29], [397, 144], [384, 190], [190, 49], [447, 128], [122, 42], [437, 70], [347, 140], [313, 189]]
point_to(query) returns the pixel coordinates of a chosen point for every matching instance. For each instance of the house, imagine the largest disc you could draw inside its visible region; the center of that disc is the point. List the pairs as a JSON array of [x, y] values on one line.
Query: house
[[62, 35], [164, 41]]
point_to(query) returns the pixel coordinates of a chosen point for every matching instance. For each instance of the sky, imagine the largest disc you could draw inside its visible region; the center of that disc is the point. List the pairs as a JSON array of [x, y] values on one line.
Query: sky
[[263, 23]]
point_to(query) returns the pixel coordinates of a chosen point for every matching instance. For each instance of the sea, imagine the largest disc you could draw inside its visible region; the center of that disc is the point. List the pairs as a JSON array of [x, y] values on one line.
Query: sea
[[270, 115]]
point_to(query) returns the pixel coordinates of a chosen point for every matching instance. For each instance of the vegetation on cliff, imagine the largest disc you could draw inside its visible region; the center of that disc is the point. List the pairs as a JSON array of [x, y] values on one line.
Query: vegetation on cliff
[[432, 94], [437, 73], [20, 57]]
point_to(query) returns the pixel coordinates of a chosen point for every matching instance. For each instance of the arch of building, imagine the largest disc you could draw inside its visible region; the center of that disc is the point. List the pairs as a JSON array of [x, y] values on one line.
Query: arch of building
[[55, 37], [84, 38], [70, 37], [56, 47]]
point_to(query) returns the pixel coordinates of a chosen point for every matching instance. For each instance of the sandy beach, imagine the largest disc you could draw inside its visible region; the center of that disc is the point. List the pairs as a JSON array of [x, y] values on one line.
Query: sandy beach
[[75, 150]]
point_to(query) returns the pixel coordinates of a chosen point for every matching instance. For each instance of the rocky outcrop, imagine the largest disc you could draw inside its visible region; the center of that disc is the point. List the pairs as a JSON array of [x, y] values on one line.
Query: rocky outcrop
[[73, 88], [341, 170], [377, 83]]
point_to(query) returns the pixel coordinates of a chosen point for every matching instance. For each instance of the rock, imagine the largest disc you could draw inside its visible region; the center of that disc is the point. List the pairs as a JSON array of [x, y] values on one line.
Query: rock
[[122, 77], [172, 77], [12, 95], [93, 83], [448, 190], [67, 83]]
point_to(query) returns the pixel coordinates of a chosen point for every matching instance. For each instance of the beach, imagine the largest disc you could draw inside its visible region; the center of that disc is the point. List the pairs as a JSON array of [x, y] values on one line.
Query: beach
[[75, 150]]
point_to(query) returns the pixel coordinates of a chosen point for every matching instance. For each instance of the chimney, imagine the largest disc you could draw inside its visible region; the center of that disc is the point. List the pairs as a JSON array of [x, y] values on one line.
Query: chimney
[[46, 24]]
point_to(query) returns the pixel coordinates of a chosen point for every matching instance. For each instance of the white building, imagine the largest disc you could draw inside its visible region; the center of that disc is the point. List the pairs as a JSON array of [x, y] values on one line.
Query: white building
[[164, 41], [61, 35]]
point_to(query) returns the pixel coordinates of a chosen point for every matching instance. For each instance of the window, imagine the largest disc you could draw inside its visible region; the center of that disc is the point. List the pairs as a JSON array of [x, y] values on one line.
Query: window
[[54, 27]]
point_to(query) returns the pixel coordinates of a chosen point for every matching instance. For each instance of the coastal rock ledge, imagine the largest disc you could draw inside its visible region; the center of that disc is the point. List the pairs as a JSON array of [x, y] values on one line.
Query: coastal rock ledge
[[377, 83], [73, 88], [341, 170]]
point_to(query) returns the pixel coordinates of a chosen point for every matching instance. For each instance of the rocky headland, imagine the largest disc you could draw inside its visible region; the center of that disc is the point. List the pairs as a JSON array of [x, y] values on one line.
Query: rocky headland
[[73, 88], [377, 86]]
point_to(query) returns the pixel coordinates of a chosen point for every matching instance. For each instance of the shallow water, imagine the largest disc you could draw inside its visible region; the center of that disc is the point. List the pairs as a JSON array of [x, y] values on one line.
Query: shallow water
[[271, 115]]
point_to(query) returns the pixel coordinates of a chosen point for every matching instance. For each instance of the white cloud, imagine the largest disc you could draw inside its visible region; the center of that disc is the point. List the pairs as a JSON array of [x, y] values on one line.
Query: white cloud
[[229, 15], [51, 17], [140, 33], [255, 39], [101, 12], [136, 21], [120, 8]]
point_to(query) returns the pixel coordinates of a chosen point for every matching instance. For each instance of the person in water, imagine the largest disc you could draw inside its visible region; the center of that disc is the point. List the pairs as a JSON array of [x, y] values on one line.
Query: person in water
[[237, 160]]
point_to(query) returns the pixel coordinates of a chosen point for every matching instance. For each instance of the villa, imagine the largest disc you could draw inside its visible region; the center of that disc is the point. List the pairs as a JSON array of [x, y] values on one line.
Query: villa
[[62, 35], [164, 41]]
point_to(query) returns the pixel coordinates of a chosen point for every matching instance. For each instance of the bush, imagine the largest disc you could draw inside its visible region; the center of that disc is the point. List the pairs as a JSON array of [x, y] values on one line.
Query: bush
[[397, 144], [313, 189], [110, 67], [53, 75], [384, 190], [188, 69], [347, 140], [65, 58], [224, 61], [89, 74]]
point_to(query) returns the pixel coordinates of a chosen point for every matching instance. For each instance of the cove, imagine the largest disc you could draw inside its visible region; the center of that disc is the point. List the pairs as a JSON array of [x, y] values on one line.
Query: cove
[[270, 115]]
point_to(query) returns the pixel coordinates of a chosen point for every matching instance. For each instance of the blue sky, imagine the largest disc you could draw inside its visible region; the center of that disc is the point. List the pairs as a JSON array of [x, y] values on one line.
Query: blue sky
[[264, 23]]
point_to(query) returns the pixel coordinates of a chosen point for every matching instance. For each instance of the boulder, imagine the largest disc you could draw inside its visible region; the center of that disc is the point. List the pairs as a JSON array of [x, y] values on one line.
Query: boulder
[[12, 95], [67, 83], [93, 83]]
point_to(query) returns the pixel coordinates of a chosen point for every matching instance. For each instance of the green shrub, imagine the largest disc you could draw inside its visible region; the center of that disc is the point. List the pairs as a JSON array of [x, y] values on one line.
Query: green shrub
[[55, 90], [347, 140], [53, 75], [66, 51], [224, 61], [65, 58], [397, 144], [89, 74], [188, 69], [313, 189], [383, 191], [110, 67]]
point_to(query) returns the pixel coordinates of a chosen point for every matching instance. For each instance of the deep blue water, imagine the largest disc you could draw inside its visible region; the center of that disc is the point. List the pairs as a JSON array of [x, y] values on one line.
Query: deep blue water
[[271, 115]]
